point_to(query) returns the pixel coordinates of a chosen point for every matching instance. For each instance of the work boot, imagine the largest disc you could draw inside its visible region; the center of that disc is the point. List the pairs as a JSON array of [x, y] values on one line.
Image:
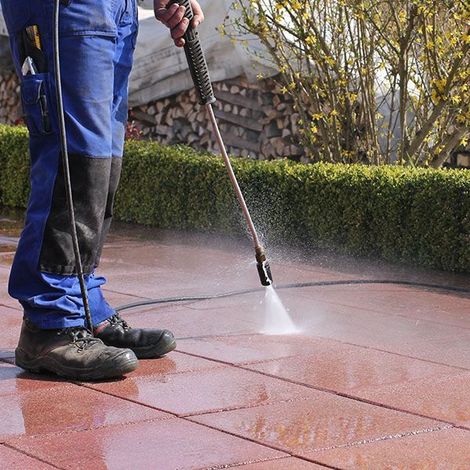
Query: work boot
[[145, 343], [72, 353]]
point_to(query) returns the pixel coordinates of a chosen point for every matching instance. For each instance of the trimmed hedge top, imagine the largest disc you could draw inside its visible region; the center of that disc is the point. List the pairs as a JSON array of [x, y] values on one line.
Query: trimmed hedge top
[[419, 216]]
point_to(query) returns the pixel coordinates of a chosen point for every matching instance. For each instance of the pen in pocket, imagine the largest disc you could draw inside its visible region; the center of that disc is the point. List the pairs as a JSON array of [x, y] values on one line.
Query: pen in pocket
[[33, 35]]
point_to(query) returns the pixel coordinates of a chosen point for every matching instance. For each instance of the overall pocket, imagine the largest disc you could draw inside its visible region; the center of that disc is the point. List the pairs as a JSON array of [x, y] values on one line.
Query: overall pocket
[[36, 103], [87, 17]]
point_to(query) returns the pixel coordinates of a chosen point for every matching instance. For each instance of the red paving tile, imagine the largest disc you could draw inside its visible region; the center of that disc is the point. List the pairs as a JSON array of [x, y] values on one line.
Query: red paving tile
[[346, 368], [445, 449], [454, 350], [205, 390], [14, 460], [70, 408], [169, 444], [4, 274], [136, 314], [32, 406], [417, 386], [172, 363], [250, 302], [10, 310], [10, 303], [251, 348], [195, 323], [421, 339], [290, 463], [172, 254], [185, 272], [4, 269], [323, 420], [14, 380], [445, 398], [10, 324], [440, 306], [322, 363], [288, 272]]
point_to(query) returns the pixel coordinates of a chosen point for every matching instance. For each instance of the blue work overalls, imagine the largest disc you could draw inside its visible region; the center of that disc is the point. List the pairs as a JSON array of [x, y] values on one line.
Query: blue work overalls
[[97, 41]]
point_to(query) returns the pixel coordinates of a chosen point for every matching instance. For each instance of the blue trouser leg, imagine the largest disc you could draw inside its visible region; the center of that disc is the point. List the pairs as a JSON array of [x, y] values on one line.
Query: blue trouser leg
[[43, 276], [127, 35]]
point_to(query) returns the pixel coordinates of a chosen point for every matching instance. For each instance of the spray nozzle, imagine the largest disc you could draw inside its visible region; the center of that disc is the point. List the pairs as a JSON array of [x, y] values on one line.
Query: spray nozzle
[[264, 270]]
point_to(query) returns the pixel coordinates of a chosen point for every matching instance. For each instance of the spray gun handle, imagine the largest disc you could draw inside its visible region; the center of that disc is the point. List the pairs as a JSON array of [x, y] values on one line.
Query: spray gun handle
[[195, 57]]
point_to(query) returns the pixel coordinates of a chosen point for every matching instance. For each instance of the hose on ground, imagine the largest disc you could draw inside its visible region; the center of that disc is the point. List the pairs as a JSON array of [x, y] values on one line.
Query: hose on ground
[[298, 285]]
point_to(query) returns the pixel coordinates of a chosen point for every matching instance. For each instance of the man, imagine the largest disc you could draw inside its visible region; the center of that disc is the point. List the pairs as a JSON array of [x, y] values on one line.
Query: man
[[97, 40]]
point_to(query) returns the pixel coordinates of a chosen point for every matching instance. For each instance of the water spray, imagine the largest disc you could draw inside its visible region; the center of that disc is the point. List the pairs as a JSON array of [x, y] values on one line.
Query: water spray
[[200, 75]]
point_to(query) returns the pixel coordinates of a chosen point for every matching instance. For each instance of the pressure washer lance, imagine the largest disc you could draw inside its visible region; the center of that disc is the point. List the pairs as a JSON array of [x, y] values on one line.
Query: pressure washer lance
[[200, 75]]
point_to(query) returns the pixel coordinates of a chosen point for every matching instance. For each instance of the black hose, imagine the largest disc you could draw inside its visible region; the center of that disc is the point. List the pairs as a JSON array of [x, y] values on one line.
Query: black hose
[[66, 168], [167, 300]]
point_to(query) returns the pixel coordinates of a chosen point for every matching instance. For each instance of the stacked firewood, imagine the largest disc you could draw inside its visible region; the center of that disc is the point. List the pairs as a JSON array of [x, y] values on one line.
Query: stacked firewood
[[255, 120], [10, 107]]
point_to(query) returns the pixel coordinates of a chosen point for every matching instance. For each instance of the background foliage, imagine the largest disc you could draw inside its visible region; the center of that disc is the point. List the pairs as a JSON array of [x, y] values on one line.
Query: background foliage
[[374, 81], [419, 216]]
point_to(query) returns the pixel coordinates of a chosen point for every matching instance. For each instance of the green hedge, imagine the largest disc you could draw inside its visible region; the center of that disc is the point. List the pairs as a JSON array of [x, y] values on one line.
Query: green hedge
[[14, 166], [418, 216]]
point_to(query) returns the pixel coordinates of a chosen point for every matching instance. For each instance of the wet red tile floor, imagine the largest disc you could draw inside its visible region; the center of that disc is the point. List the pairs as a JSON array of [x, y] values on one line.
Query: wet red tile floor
[[378, 376]]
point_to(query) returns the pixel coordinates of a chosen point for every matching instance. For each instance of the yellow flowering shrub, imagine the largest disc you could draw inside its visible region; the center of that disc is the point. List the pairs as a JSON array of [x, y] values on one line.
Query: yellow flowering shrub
[[389, 78]]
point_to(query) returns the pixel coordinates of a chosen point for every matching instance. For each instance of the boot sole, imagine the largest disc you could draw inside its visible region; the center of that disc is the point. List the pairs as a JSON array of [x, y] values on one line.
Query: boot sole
[[48, 365]]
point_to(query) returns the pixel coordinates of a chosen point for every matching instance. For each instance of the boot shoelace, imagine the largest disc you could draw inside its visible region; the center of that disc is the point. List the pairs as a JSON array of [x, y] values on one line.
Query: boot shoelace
[[80, 336], [117, 320]]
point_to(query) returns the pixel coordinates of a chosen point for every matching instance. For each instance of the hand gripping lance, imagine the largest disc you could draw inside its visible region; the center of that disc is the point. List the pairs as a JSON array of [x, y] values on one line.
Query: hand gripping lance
[[200, 75]]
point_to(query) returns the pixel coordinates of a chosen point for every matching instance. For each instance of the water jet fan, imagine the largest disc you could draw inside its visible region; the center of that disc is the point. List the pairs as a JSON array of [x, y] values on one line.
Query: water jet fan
[[200, 75]]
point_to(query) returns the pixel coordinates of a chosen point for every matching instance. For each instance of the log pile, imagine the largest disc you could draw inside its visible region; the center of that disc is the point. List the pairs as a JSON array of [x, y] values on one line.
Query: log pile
[[10, 107], [256, 120]]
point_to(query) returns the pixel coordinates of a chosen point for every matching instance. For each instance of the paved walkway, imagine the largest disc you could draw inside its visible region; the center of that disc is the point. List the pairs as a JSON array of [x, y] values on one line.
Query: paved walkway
[[378, 378]]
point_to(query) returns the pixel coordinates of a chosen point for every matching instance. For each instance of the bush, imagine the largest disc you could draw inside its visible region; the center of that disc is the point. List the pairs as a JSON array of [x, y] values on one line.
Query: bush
[[370, 81], [14, 166], [419, 216]]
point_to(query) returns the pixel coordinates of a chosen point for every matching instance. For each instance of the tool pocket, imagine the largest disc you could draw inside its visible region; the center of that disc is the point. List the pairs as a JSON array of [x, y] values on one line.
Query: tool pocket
[[88, 18], [36, 103]]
